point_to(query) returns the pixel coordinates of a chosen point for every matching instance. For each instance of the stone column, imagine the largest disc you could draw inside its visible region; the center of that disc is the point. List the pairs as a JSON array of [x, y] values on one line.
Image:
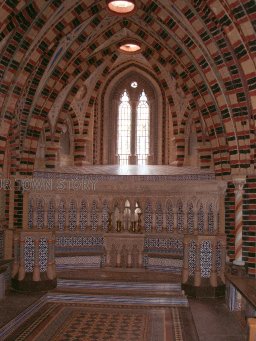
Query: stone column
[[108, 256], [239, 183], [175, 219], [51, 260], [15, 266], [140, 261], [185, 272], [129, 261], [164, 229], [185, 217], [223, 261], [25, 210], [21, 274], [195, 221], [213, 275], [118, 255]]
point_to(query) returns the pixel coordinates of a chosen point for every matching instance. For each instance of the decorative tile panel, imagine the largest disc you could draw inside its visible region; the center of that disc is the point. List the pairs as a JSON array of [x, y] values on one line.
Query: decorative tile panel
[[105, 211], [170, 218], [43, 254], [62, 215], [83, 215], [148, 219], [30, 214], [72, 215], [180, 217], [51, 215], [94, 216], [190, 218], [192, 258], [210, 219], [206, 258], [40, 214], [200, 219], [159, 217], [29, 254]]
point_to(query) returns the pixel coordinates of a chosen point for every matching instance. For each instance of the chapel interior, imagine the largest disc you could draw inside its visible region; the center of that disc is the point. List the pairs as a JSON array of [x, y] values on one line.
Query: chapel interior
[[127, 170]]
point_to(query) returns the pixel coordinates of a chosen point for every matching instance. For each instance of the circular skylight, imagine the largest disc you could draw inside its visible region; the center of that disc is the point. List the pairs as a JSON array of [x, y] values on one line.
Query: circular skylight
[[121, 7], [129, 47]]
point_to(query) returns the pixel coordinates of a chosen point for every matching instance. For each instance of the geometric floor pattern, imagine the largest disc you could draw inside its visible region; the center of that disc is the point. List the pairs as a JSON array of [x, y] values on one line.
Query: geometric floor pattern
[[94, 322]]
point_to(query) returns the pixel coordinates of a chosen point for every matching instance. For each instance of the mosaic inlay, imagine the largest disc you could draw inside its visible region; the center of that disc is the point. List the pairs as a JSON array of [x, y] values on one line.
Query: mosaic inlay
[[206, 258]]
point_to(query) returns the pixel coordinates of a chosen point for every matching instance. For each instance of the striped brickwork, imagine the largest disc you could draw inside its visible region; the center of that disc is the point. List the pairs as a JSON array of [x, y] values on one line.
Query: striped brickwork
[[249, 223], [230, 220], [239, 183]]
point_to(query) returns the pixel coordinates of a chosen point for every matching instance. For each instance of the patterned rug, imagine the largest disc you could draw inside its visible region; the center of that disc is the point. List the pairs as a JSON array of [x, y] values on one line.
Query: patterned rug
[[92, 322]]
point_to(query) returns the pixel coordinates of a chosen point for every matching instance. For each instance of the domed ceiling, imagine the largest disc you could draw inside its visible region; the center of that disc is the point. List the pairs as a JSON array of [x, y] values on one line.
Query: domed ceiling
[[57, 55]]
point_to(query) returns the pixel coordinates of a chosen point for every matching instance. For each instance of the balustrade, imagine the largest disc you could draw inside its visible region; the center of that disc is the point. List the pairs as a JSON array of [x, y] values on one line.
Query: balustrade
[[73, 214]]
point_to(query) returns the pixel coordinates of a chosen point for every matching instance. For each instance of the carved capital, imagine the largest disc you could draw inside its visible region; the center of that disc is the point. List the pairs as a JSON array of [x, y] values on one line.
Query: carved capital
[[239, 184]]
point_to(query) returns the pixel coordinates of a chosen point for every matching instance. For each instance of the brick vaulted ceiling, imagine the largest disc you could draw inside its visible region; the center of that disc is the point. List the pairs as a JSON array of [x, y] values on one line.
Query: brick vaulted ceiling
[[50, 49]]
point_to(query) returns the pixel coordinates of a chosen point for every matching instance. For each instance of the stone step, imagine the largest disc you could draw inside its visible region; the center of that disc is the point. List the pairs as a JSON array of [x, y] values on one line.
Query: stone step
[[118, 285], [178, 300], [119, 275], [119, 292]]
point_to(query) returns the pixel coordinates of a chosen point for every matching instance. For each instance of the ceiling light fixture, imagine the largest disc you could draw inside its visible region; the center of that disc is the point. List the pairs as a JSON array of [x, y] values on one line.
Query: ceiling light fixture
[[121, 7], [130, 47]]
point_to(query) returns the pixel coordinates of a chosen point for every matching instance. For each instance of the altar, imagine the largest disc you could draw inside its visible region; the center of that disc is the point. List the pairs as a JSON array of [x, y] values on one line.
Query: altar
[[124, 250]]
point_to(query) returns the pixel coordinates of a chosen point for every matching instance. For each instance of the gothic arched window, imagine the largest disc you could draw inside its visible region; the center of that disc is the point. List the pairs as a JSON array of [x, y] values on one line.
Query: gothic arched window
[[124, 129], [133, 126], [142, 133]]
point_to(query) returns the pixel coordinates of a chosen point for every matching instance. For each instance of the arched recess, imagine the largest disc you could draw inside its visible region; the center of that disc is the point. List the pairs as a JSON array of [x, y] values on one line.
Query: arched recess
[[108, 104]]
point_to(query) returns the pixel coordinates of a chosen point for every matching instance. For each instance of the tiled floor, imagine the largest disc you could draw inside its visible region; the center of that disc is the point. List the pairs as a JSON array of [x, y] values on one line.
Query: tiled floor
[[65, 321], [14, 303], [212, 319], [214, 322]]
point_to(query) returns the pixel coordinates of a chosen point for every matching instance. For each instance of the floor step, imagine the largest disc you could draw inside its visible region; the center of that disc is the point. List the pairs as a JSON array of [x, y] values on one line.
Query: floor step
[[126, 292], [118, 299], [119, 287], [131, 286], [142, 276]]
